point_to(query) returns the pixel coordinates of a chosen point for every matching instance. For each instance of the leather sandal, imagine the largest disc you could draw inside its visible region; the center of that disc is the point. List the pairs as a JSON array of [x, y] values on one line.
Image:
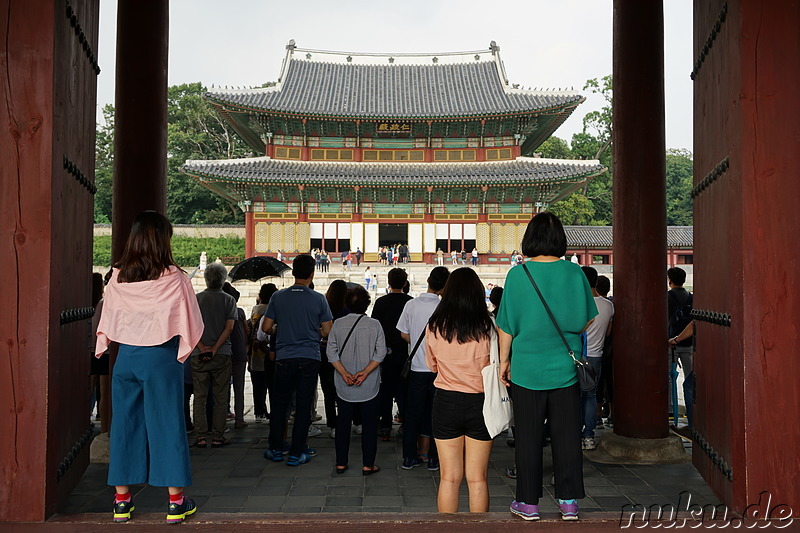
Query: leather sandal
[[374, 470], [341, 469]]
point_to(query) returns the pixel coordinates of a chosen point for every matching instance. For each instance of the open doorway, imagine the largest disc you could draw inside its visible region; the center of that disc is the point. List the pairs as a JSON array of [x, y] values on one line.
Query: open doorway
[[391, 234]]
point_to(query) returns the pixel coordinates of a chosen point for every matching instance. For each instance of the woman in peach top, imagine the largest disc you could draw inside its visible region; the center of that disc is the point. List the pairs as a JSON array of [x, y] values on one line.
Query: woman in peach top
[[457, 348], [151, 313]]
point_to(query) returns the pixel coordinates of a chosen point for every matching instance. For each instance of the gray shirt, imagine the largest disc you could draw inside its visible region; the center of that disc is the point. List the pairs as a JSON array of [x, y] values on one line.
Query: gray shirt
[[366, 344], [217, 308]]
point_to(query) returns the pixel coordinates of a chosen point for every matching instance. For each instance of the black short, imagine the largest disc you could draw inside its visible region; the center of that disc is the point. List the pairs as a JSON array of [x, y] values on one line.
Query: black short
[[456, 414]]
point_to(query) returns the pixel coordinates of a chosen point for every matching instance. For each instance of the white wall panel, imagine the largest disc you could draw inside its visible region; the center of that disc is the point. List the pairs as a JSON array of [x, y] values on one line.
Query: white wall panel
[[455, 231], [370, 238], [415, 238], [316, 230], [442, 231], [344, 230], [330, 230], [357, 235], [429, 234], [469, 231]]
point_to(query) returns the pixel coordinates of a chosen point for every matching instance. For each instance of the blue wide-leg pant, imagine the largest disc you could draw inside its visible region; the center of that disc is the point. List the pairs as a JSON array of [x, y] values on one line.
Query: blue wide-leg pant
[[148, 429]]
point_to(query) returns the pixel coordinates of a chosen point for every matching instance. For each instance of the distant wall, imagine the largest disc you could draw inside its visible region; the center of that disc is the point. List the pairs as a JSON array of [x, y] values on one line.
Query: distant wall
[[188, 230]]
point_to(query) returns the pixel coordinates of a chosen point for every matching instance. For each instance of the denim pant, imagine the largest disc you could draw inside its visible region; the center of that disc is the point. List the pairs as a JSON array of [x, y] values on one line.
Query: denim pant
[[419, 405], [589, 400], [297, 375], [148, 434]]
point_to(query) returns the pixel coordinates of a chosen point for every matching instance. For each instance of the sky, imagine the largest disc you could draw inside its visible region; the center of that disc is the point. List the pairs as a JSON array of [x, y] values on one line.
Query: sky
[[543, 43]]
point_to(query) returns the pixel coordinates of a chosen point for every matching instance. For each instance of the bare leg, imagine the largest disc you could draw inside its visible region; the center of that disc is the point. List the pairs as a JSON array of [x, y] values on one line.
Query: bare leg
[[476, 469], [451, 461]]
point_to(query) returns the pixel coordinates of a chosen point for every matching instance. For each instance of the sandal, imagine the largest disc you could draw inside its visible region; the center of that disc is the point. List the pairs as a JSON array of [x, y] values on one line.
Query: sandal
[[220, 443], [341, 469], [200, 443], [374, 470]]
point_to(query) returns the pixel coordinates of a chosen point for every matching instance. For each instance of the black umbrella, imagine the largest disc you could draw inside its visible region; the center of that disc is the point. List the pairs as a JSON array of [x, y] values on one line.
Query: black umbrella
[[255, 268]]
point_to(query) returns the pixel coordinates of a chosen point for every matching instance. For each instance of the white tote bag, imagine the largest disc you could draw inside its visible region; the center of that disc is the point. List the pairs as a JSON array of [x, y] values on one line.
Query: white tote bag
[[496, 403]]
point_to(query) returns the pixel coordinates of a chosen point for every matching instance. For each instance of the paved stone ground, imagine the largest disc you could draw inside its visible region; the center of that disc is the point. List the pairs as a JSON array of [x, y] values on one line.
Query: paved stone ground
[[237, 479]]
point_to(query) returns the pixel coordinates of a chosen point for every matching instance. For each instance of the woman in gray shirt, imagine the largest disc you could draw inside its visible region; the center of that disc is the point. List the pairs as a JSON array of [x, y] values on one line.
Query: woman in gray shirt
[[356, 347]]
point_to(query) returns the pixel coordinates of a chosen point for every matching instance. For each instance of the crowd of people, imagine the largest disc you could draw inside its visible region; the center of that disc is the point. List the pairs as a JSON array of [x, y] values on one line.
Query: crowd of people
[[423, 354]]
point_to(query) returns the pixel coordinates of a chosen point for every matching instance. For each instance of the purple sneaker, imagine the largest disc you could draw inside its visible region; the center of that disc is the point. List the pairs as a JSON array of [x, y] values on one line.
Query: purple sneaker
[[569, 509], [525, 511]]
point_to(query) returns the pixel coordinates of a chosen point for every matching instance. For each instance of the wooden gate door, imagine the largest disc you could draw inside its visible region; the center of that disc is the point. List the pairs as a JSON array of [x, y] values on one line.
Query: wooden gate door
[[49, 85], [747, 186]]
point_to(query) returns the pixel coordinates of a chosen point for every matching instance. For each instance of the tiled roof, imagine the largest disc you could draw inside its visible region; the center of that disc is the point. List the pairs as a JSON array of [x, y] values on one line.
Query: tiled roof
[[602, 236], [389, 90], [523, 170]]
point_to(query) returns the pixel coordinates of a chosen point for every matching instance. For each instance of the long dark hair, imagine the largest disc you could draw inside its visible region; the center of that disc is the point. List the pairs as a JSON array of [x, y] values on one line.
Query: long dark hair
[[148, 252], [462, 314], [337, 291]]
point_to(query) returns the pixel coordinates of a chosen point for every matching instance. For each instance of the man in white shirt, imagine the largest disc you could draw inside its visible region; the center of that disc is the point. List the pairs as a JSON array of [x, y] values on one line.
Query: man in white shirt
[[419, 400], [596, 335]]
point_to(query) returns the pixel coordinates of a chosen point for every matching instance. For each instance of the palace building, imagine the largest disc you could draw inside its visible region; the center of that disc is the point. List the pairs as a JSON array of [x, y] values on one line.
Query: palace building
[[365, 150]]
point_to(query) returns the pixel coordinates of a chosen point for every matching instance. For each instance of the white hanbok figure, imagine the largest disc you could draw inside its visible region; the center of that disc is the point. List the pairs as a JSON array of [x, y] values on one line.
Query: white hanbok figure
[[203, 262]]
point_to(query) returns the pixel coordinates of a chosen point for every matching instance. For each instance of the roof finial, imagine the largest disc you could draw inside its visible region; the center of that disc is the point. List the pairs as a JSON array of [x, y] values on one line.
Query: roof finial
[[291, 45], [493, 47]]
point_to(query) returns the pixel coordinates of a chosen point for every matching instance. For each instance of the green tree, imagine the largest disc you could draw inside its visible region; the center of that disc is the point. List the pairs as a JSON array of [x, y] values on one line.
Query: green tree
[[194, 131], [554, 148], [679, 187], [574, 210], [104, 166]]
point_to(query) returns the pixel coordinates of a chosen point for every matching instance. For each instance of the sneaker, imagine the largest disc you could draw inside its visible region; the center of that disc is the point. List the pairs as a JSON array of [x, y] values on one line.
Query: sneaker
[[316, 417], [588, 443], [178, 513], [260, 419], [313, 431], [511, 472], [599, 424], [433, 465], [385, 435], [123, 510], [333, 433], [511, 442], [569, 509], [231, 416], [240, 424], [525, 511], [274, 455], [297, 460], [358, 429], [411, 462]]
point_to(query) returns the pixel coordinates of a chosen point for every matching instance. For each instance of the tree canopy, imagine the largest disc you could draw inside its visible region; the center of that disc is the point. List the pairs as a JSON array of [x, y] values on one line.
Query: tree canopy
[[592, 205]]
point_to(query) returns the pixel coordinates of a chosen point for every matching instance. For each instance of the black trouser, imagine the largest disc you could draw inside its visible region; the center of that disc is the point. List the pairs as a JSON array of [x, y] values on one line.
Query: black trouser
[[299, 376], [391, 387], [326, 372], [562, 409], [369, 435], [260, 386], [417, 421]]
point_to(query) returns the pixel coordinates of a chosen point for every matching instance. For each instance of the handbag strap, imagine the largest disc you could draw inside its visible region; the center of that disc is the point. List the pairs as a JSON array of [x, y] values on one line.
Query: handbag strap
[[549, 312], [341, 350], [419, 341]]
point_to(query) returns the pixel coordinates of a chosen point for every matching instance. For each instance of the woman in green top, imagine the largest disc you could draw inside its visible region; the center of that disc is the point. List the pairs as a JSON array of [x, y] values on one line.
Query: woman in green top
[[542, 374]]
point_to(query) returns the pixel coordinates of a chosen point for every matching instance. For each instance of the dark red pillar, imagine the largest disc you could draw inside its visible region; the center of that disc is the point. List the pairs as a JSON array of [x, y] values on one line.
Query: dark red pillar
[[140, 120], [249, 233], [640, 242]]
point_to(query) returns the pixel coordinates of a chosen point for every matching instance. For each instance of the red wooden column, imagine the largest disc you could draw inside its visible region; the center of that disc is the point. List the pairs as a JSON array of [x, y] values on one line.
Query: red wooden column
[[140, 120], [640, 242], [249, 233]]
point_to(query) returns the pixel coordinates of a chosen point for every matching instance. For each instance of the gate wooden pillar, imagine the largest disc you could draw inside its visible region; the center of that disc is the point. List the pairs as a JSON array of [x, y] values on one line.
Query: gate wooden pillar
[[140, 119], [49, 91], [640, 220], [746, 168]]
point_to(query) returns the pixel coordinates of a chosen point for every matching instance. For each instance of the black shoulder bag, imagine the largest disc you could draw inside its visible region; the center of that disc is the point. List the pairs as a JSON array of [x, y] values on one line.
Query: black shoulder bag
[[586, 375], [407, 366]]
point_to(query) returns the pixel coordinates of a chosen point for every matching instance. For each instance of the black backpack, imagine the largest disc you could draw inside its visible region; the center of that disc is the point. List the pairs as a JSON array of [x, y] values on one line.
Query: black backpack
[[681, 315]]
